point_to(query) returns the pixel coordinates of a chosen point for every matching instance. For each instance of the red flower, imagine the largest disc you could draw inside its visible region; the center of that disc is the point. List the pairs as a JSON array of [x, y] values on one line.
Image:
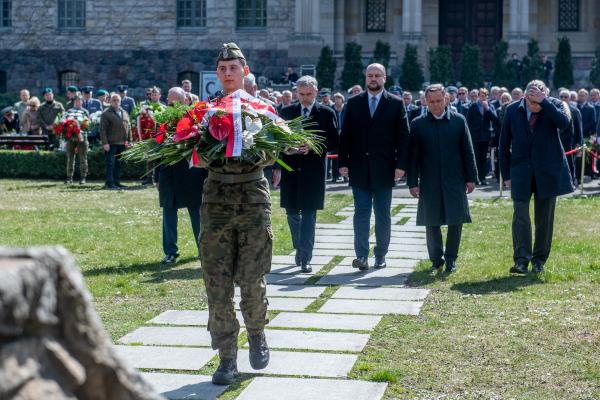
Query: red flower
[[58, 128], [220, 126], [160, 138], [162, 128]]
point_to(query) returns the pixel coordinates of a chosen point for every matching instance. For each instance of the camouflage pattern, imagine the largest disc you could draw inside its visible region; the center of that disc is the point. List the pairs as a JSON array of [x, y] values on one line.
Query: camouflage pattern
[[82, 148], [47, 113]]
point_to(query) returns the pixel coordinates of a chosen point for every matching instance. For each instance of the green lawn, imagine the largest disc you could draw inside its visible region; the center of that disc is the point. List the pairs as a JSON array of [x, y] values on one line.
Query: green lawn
[[482, 333]]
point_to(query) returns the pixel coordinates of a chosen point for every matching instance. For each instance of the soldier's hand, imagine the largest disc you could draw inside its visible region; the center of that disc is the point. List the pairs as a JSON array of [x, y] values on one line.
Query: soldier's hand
[[470, 186], [414, 191], [106, 147], [344, 172], [507, 183], [398, 174], [276, 178]]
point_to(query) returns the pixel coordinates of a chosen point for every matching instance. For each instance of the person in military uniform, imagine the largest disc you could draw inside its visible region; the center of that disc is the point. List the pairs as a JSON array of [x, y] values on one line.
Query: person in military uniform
[[47, 115], [89, 103], [236, 242], [127, 103], [72, 92], [80, 146], [9, 120], [103, 97]]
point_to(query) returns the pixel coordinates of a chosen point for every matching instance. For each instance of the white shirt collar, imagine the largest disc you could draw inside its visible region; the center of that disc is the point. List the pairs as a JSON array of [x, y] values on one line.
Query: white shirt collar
[[309, 108], [441, 116], [377, 96]]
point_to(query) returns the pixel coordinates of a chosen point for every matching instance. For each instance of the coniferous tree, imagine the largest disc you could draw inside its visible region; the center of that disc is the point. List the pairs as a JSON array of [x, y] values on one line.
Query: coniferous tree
[[532, 63], [471, 71], [326, 67], [352, 74], [595, 72], [440, 65], [563, 67], [381, 55], [502, 74], [411, 72]]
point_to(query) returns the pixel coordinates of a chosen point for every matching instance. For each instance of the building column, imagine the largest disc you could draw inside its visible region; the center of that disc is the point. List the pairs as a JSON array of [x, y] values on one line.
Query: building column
[[518, 27], [412, 20], [339, 28], [307, 18]]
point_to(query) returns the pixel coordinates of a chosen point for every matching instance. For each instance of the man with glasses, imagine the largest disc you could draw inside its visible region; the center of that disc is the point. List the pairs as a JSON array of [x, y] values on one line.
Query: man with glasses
[[572, 137], [481, 119], [462, 102]]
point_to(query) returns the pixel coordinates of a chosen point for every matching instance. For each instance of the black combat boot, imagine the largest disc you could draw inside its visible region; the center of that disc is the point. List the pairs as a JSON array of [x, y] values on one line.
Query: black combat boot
[[259, 351], [226, 373]]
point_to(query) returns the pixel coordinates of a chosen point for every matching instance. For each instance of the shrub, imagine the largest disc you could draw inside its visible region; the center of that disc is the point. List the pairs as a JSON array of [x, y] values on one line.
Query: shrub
[[440, 65], [563, 68], [411, 75], [471, 71], [326, 68], [353, 67]]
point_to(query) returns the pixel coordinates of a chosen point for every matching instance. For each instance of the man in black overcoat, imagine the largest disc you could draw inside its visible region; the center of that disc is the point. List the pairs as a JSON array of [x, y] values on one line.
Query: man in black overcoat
[[303, 189], [481, 118], [441, 172], [532, 161], [179, 186], [374, 154]]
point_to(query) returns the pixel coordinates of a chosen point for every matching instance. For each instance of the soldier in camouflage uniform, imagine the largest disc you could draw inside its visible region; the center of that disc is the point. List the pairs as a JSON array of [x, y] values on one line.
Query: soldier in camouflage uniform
[[236, 242], [47, 114]]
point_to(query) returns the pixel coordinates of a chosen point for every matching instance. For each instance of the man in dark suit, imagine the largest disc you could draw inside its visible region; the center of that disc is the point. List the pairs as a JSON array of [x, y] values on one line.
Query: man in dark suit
[[572, 137], [303, 189], [481, 118], [462, 101], [419, 110], [441, 179], [532, 161], [588, 122], [179, 186], [374, 154]]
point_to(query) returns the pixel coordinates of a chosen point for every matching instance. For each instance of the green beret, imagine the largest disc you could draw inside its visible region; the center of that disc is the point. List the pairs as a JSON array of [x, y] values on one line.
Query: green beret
[[230, 51], [101, 92], [47, 90], [72, 89]]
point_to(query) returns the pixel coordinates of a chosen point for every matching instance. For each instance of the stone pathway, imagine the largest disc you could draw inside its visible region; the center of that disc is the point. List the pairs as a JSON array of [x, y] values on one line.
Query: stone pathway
[[311, 352]]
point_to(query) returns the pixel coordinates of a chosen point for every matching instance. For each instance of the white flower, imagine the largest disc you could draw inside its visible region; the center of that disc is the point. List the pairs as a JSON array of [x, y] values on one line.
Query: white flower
[[253, 125]]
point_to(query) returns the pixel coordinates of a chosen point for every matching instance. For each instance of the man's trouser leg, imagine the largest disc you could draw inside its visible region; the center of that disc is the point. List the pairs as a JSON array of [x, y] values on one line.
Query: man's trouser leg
[[521, 232], [109, 159], [294, 219], [194, 213], [117, 168], [382, 204], [544, 228], [169, 230], [363, 203], [307, 233], [71, 146], [453, 242], [83, 164], [481, 149], [435, 246]]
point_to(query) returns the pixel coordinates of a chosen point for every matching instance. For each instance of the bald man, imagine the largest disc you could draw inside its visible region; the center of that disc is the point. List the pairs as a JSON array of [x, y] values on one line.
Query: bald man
[[373, 154]]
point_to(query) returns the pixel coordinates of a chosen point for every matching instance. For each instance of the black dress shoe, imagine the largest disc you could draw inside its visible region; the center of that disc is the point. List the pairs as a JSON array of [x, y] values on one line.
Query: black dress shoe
[[170, 258], [537, 268], [306, 267], [362, 263], [435, 266], [380, 262], [226, 373], [120, 185], [259, 351], [450, 266], [111, 187], [519, 269]]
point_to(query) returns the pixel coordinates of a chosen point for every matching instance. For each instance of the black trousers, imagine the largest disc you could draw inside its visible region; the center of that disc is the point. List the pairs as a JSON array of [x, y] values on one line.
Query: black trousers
[[521, 231], [481, 150], [435, 246]]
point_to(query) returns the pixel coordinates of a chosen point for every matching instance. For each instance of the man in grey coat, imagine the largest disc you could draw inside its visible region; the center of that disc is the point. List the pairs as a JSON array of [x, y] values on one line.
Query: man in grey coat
[[441, 171]]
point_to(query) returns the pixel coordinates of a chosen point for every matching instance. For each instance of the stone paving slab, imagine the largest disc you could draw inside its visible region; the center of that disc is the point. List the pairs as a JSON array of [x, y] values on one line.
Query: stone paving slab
[[283, 303], [403, 239], [349, 245], [346, 275], [334, 227], [287, 279], [408, 228], [378, 307], [300, 363], [168, 336], [184, 386], [155, 357], [406, 234], [391, 262], [415, 255], [380, 293], [270, 388], [334, 252], [407, 247], [187, 318], [291, 260], [313, 340], [333, 238], [325, 321], [292, 269], [340, 232], [307, 291]]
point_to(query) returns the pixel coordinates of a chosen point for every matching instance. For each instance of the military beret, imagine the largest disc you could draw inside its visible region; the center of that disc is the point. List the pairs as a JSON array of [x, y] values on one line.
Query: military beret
[[87, 89], [452, 89], [324, 92], [7, 110], [72, 89], [395, 89], [101, 92], [47, 90], [122, 88], [230, 51]]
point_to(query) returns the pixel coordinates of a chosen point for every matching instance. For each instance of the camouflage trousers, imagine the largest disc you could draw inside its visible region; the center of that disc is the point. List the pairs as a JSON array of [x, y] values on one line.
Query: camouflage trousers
[[236, 243], [83, 164]]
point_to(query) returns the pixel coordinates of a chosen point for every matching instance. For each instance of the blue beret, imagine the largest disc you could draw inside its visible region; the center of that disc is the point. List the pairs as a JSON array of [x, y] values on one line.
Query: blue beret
[[122, 88], [87, 89], [395, 89], [452, 89]]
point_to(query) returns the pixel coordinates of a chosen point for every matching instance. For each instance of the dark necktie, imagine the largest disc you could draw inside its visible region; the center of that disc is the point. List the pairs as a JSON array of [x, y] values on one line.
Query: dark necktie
[[532, 120], [305, 112]]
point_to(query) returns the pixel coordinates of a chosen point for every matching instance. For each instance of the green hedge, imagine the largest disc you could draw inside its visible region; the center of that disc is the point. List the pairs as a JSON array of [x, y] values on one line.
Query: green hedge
[[52, 165]]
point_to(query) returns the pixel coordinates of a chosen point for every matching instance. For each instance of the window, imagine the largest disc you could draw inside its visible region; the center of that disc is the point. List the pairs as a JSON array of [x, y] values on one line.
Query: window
[[376, 15], [71, 14], [191, 76], [568, 15], [68, 78], [251, 13], [5, 13], [3, 81], [191, 13]]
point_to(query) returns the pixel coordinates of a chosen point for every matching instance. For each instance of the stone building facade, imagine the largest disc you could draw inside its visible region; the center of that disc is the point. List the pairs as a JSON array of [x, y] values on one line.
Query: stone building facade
[[143, 43]]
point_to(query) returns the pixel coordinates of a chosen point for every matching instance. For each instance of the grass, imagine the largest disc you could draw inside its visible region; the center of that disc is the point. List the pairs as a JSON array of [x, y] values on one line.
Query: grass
[[482, 333]]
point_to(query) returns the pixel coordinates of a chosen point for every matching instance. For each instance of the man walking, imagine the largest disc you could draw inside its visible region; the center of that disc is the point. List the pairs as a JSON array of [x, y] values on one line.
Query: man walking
[[440, 173], [532, 161], [374, 154], [115, 134], [303, 189]]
